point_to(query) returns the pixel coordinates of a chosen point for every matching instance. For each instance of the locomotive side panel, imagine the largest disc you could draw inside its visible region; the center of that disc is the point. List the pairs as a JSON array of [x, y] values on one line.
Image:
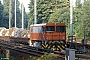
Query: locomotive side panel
[[36, 36]]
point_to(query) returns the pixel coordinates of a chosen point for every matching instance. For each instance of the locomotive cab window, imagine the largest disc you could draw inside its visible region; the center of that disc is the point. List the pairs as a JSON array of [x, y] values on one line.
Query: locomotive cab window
[[37, 29], [60, 29], [49, 28]]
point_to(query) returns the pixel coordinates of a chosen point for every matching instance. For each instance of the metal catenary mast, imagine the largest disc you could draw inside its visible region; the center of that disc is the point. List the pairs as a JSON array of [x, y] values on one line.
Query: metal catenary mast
[[71, 17], [10, 15], [22, 15], [15, 13], [35, 12]]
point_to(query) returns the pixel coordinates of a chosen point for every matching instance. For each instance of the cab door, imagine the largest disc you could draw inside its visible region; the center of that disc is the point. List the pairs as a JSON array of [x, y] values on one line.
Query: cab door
[[49, 32]]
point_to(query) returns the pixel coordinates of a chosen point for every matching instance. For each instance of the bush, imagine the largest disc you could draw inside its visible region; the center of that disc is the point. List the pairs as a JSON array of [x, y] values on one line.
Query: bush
[[47, 56]]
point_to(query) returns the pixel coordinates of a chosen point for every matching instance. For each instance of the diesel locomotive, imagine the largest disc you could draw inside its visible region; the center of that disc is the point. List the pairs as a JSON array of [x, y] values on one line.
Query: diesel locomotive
[[48, 36]]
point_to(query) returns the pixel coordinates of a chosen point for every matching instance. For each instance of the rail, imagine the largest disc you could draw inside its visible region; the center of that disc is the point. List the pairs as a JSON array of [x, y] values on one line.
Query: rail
[[20, 48]]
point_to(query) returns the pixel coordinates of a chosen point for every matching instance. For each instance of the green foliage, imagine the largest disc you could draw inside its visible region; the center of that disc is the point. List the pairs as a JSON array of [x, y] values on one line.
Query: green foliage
[[31, 14], [86, 18], [49, 11], [5, 20], [1, 57], [18, 14], [32, 58], [6, 13], [81, 19], [4, 16], [4, 58], [12, 58], [26, 19], [77, 13], [1, 14], [46, 56]]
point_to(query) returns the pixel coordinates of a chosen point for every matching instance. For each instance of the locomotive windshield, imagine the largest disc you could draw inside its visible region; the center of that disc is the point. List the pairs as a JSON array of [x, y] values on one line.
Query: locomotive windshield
[[60, 29], [37, 29], [49, 28]]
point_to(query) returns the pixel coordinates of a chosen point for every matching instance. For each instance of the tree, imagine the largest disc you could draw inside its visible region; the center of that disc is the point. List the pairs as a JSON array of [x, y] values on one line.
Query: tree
[[81, 19], [47, 8], [61, 11], [6, 13], [26, 19], [86, 18], [31, 14], [18, 14], [1, 13]]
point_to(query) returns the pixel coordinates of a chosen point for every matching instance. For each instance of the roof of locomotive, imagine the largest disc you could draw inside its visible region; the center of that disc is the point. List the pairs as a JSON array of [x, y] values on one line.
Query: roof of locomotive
[[49, 24], [38, 24]]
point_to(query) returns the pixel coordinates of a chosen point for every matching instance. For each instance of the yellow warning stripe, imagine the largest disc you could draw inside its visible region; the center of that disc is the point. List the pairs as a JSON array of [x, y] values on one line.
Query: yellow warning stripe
[[46, 45], [49, 46], [55, 48], [63, 46], [60, 48], [43, 45]]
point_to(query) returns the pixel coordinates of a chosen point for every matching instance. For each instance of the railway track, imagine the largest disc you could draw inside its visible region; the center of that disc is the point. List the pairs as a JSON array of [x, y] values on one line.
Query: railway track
[[80, 45], [21, 48], [38, 51]]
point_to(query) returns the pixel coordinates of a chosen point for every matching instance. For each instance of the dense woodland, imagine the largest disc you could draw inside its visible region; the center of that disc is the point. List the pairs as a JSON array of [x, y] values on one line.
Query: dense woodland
[[50, 11], [4, 16]]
